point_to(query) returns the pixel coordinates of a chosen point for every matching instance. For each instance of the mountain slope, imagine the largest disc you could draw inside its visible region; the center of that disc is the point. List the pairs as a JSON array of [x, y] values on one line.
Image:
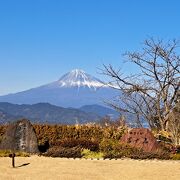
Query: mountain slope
[[6, 117], [100, 110], [73, 89], [44, 112]]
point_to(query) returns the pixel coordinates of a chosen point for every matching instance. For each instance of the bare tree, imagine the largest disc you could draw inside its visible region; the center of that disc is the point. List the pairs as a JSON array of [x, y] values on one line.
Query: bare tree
[[151, 93], [174, 122]]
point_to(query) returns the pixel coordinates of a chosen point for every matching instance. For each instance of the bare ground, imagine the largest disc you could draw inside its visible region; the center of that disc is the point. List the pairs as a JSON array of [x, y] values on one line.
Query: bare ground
[[44, 168]]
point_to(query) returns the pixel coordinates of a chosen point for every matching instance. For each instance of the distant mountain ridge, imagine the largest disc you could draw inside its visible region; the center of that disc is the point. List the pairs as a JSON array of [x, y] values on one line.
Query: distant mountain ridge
[[74, 89], [100, 110], [47, 113], [6, 117]]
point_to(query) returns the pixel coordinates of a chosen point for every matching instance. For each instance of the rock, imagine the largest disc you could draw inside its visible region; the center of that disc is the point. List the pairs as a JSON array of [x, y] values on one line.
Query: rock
[[141, 138], [20, 136]]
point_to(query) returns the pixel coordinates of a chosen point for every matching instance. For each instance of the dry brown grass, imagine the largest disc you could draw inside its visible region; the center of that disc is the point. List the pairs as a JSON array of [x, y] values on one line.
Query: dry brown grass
[[45, 168]]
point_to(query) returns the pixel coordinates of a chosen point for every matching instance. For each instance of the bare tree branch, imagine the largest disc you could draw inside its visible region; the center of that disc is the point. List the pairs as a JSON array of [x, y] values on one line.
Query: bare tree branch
[[152, 93]]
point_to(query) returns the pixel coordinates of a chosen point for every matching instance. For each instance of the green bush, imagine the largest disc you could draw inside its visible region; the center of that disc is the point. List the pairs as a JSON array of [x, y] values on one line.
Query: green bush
[[115, 149], [86, 153], [108, 145], [176, 156], [74, 152]]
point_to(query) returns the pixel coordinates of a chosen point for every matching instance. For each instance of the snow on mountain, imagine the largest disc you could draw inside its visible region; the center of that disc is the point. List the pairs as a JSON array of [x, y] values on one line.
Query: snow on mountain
[[79, 78], [74, 89]]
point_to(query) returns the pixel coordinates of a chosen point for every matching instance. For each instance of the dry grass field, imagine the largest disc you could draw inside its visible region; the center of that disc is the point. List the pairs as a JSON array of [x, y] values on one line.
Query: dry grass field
[[44, 168]]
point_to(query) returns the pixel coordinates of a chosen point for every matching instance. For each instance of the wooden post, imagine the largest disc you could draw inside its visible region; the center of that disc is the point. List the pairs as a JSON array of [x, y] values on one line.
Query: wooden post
[[13, 160], [13, 155]]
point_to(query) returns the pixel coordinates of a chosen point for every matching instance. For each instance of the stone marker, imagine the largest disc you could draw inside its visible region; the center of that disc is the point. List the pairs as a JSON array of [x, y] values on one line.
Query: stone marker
[[141, 138], [20, 136]]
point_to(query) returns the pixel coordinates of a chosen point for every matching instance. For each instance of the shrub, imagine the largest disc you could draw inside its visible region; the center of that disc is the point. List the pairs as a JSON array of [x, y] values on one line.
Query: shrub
[[74, 152], [150, 155], [1, 137], [108, 145], [115, 149], [6, 153], [176, 156], [2, 131], [83, 143], [86, 153], [56, 133]]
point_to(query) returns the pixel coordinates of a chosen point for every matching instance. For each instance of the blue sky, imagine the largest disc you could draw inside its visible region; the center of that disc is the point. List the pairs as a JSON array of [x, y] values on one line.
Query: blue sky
[[42, 39]]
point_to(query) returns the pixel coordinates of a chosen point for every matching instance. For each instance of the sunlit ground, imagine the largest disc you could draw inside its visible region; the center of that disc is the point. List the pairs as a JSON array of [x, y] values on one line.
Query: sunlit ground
[[56, 168]]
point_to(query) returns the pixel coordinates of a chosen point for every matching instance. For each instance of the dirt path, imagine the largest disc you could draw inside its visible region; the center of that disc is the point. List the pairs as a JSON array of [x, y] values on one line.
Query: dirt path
[[42, 168]]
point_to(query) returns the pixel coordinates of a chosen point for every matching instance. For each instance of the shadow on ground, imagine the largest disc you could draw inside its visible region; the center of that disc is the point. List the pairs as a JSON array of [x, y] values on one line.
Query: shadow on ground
[[25, 164]]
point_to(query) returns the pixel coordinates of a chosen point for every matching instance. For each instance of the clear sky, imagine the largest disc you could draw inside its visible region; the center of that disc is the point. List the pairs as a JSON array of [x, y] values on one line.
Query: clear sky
[[42, 39]]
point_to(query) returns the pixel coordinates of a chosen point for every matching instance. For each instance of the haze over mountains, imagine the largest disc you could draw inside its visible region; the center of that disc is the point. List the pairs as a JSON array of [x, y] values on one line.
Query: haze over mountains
[[44, 112], [75, 97], [48, 113], [74, 89]]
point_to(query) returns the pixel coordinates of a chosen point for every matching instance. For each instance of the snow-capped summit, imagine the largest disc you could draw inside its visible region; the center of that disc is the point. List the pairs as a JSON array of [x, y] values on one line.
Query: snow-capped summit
[[78, 78], [73, 89]]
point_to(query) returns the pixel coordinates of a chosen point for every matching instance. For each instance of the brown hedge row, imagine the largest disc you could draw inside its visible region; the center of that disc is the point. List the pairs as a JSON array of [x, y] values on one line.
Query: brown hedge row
[[53, 134], [56, 133]]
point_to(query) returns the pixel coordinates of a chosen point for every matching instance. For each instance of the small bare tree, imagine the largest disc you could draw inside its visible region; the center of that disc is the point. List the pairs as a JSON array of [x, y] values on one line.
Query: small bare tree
[[151, 93]]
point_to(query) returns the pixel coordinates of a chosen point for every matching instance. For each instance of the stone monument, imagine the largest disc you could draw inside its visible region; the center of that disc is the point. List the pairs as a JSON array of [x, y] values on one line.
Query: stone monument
[[20, 136], [141, 138]]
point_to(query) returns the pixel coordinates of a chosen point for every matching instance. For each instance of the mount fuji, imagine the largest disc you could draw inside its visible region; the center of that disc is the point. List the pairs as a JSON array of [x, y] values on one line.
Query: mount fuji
[[74, 89]]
